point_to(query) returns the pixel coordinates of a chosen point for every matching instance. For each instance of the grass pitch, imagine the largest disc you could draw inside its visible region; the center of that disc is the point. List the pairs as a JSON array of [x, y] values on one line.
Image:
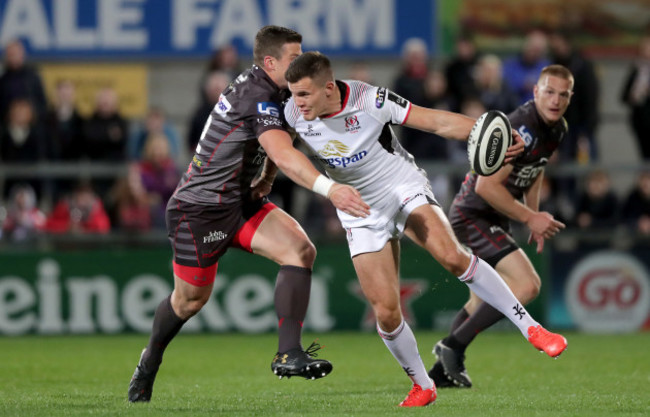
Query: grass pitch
[[229, 374]]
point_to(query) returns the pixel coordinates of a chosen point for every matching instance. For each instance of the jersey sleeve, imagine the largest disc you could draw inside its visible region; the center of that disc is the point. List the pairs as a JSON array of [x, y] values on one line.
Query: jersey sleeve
[[390, 107], [266, 115]]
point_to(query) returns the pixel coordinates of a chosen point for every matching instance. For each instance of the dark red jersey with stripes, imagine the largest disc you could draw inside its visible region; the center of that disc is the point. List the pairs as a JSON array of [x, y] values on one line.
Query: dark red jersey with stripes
[[541, 141], [228, 155]]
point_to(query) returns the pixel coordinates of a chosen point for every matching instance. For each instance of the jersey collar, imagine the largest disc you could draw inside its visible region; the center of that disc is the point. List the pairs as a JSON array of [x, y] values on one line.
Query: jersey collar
[[345, 94]]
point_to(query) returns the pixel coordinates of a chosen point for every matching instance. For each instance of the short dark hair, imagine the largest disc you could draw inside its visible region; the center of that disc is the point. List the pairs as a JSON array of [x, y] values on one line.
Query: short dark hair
[[312, 65], [270, 40], [557, 70]]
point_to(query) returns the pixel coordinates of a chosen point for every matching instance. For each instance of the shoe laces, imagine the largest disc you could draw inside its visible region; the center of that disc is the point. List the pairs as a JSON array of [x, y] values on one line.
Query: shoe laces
[[416, 388], [538, 332], [313, 348]]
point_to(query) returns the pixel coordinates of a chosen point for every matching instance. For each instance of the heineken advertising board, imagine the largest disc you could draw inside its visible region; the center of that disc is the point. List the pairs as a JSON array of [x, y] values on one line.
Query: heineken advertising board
[[112, 291]]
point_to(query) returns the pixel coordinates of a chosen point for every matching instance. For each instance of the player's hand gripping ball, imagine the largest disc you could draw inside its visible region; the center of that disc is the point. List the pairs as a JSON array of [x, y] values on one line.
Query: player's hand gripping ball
[[488, 142]]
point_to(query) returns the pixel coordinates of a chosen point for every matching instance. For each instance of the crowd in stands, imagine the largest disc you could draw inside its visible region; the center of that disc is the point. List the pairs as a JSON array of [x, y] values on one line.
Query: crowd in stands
[[35, 128]]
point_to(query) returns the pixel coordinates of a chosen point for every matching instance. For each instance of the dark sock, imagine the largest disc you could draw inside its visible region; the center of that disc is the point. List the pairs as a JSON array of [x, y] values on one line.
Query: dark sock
[[166, 325], [484, 317], [292, 287], [459, 319]]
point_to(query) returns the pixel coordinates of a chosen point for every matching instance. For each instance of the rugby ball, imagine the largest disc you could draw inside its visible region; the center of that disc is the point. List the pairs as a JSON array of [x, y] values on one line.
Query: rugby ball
[[488, 142]]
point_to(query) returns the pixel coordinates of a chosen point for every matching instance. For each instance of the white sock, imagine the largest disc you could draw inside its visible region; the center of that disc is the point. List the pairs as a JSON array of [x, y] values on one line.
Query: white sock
[[402, 344], [481, 278]]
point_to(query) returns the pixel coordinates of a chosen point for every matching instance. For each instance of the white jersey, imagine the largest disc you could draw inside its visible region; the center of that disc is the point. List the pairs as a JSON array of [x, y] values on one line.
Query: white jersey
[[356, 146]]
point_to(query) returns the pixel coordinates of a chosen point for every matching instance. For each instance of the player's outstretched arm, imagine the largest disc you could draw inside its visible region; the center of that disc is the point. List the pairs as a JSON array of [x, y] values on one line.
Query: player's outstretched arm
[[279, 147], [444, 123]]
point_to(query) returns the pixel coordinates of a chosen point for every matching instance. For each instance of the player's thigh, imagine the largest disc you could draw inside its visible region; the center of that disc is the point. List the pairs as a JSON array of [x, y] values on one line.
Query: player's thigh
[[428, 227], [187, 292], [188, 299], [378, 275], [280, 238]]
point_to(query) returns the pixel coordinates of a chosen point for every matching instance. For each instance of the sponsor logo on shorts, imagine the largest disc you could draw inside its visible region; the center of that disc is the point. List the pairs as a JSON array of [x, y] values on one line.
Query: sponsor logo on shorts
[[496, 229], [408, 200], [334, 155], [214, 236]]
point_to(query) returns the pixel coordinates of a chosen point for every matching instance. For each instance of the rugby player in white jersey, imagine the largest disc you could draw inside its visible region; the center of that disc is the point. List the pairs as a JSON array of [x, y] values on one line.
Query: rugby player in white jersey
[[346, 126]]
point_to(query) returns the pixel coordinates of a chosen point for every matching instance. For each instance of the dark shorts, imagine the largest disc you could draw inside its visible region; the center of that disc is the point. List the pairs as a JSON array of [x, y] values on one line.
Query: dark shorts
[[487, 236], [200, 235]]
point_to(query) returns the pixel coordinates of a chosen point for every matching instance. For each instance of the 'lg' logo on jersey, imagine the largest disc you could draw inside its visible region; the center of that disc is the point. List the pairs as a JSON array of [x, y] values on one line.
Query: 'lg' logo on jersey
[[352, 124]]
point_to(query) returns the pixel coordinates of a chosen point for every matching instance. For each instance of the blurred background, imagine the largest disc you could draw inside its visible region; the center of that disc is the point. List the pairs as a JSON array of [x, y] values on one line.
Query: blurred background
[[102, 103]]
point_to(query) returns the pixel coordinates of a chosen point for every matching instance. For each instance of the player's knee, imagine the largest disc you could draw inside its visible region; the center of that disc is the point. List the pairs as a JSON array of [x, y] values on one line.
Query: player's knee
[[526, 291], [304, 252], [388, 317], [532, 290], [188, 307], [454, 261]]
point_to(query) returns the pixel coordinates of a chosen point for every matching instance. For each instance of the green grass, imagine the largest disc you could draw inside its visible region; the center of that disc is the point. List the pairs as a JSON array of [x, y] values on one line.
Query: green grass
[[229, 374]]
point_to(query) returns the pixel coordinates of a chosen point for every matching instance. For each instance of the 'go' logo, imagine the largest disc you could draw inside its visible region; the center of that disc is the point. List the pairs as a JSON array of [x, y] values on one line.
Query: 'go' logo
[[608, 292]]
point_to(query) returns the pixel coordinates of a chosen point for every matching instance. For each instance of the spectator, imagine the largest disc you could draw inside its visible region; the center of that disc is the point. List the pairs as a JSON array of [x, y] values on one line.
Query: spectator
[[522, 71], [582, 115], [636, 209], [20, 81], [24, 220], [597, 206], [129, 202], [159, 176], [22, 140], [213, 85], [224, 59], [636, 95], [105, 132], [155, 123], [409, 83], [80, 212], [64, 131], [494, 93], [460, 70], [64, 123]]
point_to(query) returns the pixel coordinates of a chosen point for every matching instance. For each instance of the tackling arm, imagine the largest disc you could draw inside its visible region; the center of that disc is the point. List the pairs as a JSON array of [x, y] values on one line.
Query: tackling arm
[[279, 148]]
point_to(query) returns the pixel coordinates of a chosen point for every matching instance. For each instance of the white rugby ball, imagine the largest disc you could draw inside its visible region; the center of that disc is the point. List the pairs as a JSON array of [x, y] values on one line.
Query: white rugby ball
[[488, 142]]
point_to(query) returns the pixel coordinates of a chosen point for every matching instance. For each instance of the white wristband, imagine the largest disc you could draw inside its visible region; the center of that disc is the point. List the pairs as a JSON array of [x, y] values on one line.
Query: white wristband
[[322, 185]]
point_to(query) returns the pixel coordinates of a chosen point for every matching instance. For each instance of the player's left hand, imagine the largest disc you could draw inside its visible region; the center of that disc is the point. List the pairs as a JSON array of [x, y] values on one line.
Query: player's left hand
[[515, 149], [260, 187], [539, 239], [348, 200]]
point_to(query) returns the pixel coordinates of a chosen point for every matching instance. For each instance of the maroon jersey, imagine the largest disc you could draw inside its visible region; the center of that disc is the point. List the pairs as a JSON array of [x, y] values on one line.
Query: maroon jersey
[[478, 225], [228, 155], [541, 141]]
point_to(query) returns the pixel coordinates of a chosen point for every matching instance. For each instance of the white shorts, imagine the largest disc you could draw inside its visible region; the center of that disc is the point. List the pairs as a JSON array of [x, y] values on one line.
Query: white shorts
[[387, 221]]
